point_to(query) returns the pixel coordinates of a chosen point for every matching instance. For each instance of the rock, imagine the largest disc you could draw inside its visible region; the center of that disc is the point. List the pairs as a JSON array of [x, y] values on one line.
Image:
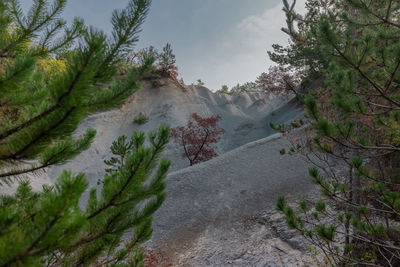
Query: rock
[[248, 243]]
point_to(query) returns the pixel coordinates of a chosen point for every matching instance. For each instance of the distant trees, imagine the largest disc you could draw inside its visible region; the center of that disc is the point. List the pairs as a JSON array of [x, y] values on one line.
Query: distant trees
[[239, 89], [276, 81], [244, 88], [224, 89], [198, 138]]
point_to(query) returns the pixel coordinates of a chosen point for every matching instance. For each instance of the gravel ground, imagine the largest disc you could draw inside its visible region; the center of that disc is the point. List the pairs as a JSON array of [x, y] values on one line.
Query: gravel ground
[[205, 218]]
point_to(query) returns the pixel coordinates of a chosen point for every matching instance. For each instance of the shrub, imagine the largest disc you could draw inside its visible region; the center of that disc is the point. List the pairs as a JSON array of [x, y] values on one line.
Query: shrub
[[141, 119], [224, 90], [141, 57], [200, 82], [277, 81], [198, 138]]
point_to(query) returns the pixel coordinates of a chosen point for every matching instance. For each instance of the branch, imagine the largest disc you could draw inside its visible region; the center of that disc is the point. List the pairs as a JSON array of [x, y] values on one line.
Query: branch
[[55, 106], [111, 202], [40, 136], [385, 20], [365, 76], [202, 145]]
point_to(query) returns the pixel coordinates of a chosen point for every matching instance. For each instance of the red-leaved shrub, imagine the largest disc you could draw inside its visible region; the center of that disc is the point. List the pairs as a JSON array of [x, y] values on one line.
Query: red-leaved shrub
[[198, 138], [278, 81]]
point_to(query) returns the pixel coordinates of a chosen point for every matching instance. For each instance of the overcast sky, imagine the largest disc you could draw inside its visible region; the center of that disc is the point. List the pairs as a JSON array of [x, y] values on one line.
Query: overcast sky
[[217, 41]]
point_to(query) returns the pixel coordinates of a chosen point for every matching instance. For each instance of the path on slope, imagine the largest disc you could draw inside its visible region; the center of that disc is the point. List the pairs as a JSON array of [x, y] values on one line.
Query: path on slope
[[209, 206]]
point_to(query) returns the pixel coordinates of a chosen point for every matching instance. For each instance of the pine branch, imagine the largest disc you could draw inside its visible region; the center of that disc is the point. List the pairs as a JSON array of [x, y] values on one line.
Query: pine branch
[[117, 194], [68, 91], [127, 24], [43, 134], [383, 19]]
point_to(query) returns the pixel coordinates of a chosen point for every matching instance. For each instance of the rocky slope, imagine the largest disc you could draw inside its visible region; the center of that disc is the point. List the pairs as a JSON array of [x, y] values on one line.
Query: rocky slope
[[221, 212], [216, 213], [245, 119]]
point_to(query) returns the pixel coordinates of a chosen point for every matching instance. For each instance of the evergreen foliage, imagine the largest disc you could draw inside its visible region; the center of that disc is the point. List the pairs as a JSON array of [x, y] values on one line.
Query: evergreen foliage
[[139, 58], [304, 55], [49, 82], [50, 228], [353, 134], [224, 89], [42, 112], [141, 119], [167, 61]]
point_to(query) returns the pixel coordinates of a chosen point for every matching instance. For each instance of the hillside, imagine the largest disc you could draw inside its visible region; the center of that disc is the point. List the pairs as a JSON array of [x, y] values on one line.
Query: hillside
[[212, 213], [245, 118]]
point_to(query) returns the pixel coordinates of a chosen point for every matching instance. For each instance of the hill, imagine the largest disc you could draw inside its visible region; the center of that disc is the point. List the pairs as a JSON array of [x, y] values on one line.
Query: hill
[[244, 117], [215, 212]]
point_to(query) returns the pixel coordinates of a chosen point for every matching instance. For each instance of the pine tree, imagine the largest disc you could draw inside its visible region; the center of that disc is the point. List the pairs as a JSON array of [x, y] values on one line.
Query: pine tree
[[40, 109], [354, 138], [48, 111], [304, 54], [224, 89], [167, 61]]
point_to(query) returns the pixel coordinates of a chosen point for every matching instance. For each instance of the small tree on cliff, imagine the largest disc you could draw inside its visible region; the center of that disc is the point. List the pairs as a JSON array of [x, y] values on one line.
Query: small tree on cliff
[[138, 58], [198, 138], [167, 61], [224, 89]]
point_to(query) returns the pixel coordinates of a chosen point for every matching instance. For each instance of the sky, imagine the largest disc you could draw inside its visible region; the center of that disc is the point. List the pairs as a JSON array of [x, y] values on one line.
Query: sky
[[217, 41]]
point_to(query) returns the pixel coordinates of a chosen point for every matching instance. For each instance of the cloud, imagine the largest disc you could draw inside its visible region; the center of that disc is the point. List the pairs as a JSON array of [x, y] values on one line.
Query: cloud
[[266, 26], [240, 54]]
